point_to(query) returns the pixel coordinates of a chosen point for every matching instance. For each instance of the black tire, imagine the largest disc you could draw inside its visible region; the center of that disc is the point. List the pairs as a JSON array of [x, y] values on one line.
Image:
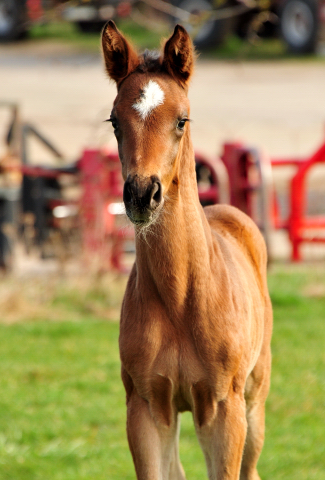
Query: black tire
[[299, 25], [12, 20], [94, 26], [212, 33]]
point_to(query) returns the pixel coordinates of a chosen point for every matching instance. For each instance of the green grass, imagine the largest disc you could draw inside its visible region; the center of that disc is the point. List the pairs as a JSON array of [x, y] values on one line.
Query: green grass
[[295, 447], [62, 407]]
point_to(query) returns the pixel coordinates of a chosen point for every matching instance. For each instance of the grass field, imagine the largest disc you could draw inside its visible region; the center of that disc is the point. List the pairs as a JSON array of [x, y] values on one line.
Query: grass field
[[62, 408]]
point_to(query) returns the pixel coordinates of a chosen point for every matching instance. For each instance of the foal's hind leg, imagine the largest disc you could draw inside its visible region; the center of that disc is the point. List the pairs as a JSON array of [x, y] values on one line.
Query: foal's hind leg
[[257, 388]]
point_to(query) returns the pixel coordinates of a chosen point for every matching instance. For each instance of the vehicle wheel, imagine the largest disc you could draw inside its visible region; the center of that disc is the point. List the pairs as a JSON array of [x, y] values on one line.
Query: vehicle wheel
[[94, 26], [299, 25], [213, 32], [12, 20]]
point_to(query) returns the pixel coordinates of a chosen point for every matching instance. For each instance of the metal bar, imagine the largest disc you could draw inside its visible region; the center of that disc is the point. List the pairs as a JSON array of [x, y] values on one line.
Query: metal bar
[[284, 162], [311, 239], [44, 141], [206, 15], [27, 130]]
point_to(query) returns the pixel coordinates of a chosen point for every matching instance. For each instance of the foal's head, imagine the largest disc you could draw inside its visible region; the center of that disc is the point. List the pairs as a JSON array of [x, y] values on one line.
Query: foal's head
[[149, 117]]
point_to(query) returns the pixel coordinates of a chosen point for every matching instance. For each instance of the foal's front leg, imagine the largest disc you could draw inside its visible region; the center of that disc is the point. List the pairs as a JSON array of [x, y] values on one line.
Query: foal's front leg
[[153, 444], [222, 438]]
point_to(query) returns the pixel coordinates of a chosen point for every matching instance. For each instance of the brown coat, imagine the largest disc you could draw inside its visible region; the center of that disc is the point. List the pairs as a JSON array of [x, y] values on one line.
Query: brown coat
[[196, 318]]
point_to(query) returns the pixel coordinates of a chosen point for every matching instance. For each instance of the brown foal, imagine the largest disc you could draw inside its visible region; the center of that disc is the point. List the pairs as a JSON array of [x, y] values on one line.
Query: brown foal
[[196, 318]]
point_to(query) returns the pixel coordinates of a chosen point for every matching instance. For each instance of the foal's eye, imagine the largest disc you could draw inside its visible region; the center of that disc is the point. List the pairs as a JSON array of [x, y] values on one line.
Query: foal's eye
[[181, 123], [113, 122]]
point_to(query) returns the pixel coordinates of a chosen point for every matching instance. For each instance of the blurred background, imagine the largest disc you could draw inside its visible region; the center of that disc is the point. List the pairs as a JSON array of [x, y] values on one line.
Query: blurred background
[[258, 129]]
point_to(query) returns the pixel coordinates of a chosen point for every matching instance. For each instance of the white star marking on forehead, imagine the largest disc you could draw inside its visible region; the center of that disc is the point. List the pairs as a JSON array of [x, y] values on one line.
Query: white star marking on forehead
[[151, 96]]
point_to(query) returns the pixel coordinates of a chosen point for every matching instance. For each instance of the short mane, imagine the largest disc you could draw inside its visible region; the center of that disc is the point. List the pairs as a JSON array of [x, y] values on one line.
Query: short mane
[[150, 61]]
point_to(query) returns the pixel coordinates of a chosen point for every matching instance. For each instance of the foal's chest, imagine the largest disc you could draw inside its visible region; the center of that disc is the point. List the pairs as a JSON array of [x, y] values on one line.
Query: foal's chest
[[154, 350]]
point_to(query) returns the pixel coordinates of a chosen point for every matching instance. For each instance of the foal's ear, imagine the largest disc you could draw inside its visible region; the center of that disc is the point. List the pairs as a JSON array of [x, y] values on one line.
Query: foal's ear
[[119, 56], [179, 56]]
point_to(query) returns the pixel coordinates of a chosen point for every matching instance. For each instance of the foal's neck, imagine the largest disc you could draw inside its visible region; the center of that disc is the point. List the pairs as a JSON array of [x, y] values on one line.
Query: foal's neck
[[176, 248]]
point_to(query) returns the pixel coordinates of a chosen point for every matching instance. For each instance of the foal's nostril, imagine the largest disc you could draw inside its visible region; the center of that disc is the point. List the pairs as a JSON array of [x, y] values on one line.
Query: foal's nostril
[[127, 193], [156, 195], [140, 195]]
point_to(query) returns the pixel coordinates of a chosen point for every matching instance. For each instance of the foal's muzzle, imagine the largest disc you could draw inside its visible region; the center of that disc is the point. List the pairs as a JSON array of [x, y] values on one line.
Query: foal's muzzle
[[142, 198]]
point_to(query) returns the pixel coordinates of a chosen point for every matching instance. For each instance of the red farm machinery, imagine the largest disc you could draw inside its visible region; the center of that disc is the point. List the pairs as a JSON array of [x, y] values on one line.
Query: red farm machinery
[[77, 209]]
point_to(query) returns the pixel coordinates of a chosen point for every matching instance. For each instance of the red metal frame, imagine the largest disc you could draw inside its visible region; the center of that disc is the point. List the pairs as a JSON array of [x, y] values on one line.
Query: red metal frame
[[240, 160], [35, 9], [298, 222], [101, 181], [249, 182], [218, 191], [102, 186], [237, 161]]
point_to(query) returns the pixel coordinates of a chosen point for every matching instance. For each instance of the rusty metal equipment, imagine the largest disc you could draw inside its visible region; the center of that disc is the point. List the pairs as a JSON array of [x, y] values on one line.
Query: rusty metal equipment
[[10, 181], [29, 194]]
